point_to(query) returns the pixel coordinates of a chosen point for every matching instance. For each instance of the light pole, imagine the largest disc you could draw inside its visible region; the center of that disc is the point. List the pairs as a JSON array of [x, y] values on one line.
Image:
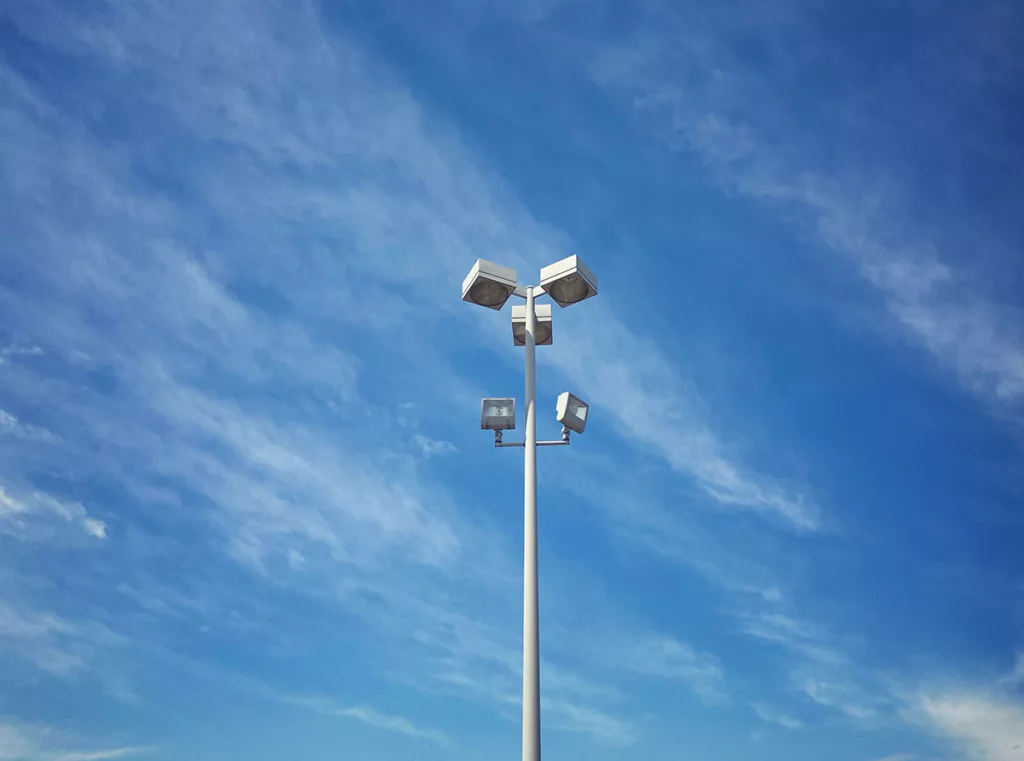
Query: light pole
[[567, 282]]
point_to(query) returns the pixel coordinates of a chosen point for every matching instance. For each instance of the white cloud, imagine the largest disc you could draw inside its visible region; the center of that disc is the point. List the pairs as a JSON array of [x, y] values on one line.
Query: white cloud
[[12, 426], [1016, 677], [102, 755], [941, 308], [16, 351], [572, 717], [432, 447], [15, 744], [773, 716], [842, 697], [990, 728], [644, 516], [481, 664], [95, 528], [9, 506], [802, 637], [26, 742], [36, 514], [569, 703], [328, 707], [656, 407], [284, 489], [822, 671], [668, 658], [60, 647]]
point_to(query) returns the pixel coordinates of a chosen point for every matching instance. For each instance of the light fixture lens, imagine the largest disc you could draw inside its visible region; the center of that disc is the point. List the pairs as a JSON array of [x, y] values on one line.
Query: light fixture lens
[[488, 294], [488, 284], [571, 412], [568, 281], [541, 326], [498, 414], [498, 410], [541, 334], [569, 290]]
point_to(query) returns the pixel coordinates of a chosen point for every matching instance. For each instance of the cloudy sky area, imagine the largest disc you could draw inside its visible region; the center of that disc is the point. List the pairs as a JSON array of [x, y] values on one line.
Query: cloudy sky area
[[246, 510]]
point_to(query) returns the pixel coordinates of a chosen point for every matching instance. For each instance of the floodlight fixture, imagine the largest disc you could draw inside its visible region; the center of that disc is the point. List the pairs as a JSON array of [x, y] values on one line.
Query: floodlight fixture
[[571, 411], [498, 414], [568, 281], [541, 325], [488, 284]]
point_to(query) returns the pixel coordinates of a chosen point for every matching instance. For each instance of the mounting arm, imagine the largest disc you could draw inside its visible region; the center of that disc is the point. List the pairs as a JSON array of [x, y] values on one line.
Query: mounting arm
[[563, 443]]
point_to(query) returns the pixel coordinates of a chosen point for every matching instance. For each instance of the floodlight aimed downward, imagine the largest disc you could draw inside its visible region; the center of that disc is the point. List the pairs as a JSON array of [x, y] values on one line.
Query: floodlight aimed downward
[[498, 414], [568, 281], [571, 411], [488, 284], [541, 325]]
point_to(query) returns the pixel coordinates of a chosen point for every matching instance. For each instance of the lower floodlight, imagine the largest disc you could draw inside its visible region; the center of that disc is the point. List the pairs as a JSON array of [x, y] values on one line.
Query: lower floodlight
[[488, 284], [541, 325], [568, 281], [572, 412], [498, 414]]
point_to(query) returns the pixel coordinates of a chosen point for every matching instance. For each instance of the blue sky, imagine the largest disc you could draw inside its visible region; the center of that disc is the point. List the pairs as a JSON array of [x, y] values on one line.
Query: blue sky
[[246, 510]]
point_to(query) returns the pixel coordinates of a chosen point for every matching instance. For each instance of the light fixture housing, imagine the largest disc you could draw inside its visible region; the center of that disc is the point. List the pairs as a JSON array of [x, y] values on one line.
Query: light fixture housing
[[569, 281], [541, 325], [488, 284], [572, 412], [498, 414]]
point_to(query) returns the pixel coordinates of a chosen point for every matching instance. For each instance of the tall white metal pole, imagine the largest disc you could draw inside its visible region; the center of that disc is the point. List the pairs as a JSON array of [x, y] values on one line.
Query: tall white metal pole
[[531, 614]]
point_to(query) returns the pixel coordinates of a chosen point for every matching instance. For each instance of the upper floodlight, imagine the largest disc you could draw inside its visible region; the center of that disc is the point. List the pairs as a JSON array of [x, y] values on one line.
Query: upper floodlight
[[488, 284], [541, 326], [498, 414], [568, 281], [572, 412]]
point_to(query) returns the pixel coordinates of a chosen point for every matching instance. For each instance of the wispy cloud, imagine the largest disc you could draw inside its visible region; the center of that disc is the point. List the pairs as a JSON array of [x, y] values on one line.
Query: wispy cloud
[[988, 727], [29, 742], [433, 447], [15, 744], [7, 352], [35, 515], [668, 658], [754, 148], [480, 664], [54, 644], [802, 637], [652, 522], [774, 716], [841, 696], [821, 670], [657, 408], [9, 505], [985, 720], [328, 707], [1016, 677], [573, 717], [10, 425], [101, 755]]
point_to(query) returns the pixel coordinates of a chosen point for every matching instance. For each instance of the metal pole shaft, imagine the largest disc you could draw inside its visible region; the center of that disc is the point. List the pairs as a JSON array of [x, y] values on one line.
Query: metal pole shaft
[[531, 614]]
